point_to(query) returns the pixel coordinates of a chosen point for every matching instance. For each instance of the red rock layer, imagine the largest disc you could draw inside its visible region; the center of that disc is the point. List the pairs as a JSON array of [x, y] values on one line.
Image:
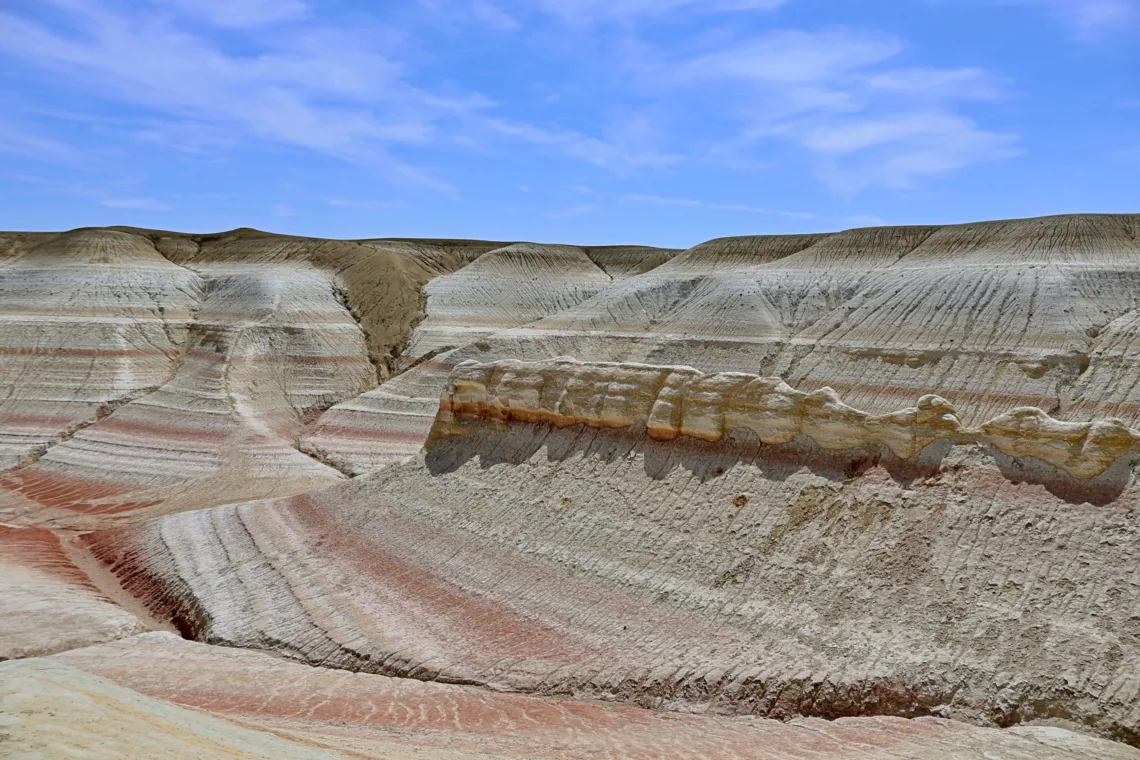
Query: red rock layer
[[377, 716], [88, 319], [775, 580], [269, 345], [273, 331], [47, 604]]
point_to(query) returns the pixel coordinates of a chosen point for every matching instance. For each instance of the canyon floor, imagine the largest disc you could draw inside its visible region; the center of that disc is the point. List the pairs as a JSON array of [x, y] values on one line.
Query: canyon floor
[[861, 495]]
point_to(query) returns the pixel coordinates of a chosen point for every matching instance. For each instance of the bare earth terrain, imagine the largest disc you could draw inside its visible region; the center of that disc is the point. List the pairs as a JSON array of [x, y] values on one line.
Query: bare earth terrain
[[862, 495]]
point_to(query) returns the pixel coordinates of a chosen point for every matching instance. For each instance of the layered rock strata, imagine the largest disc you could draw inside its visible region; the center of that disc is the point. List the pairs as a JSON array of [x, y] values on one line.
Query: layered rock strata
[[390, 423], [89, 319], [49, 710], [993, 316], [47, 603], [720, 540], [241, 340], [704, 542], [674, 401], [502, 288], [268, 345], [374, 716]]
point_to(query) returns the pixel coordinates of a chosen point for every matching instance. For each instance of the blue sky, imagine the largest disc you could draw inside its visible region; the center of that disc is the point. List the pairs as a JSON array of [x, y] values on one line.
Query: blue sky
[[663, 122]]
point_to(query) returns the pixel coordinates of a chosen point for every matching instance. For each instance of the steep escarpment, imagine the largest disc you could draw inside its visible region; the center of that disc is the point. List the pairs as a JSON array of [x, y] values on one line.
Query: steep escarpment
[[625, 532], [675, 401], [501, 289], [991, 316]]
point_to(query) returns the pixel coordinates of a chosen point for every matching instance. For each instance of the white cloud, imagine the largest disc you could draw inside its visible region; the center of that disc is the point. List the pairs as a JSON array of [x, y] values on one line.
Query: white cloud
[[591, 11], [240, 14], [319, 88], [793, 57], [135, 204], [693, 203], [1090, 17], [621, 154], [282, 73], [839, 95], [20, 141], [896, 152], [309, 85], [843, 137], [940, 84]]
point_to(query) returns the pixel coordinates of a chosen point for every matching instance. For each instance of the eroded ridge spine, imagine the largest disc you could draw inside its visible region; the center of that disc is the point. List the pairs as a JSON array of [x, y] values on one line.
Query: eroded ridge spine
[[676, 401]]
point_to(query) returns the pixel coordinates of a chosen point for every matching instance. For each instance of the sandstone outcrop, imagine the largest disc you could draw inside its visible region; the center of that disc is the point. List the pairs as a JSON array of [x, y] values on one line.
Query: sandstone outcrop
[[674, 401], [991, 316]]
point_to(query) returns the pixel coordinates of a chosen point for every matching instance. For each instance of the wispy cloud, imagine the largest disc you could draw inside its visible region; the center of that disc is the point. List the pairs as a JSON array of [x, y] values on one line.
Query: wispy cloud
[[693, 203], [1089, 18], [574, 211], [20, 141], [792, 57], [744, 208], [307, 84], [839, 96], [621, 153], [317, 87], [135, 204], [358, 204], [211, 78], [240, 14], [897, 152], [592, 11]]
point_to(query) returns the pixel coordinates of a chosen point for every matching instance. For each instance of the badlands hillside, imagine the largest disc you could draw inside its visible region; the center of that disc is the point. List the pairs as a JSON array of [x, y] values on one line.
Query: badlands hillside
[[862, 495]]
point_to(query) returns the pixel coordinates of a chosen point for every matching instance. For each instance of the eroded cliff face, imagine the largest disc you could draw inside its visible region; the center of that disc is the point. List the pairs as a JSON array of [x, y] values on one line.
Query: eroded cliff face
[[698, 541], [878, 484], [990, 316], [674, 401], [149, 372]]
